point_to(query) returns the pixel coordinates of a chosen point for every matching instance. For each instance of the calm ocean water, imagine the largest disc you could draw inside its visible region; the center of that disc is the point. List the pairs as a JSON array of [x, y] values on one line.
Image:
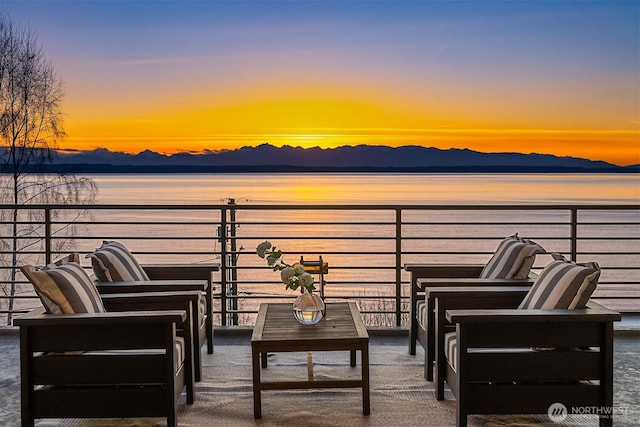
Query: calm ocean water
[[370, 188]]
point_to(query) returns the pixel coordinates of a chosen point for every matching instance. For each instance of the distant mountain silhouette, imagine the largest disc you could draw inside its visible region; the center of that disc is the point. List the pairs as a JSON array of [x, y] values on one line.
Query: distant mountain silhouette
[[267, 157]]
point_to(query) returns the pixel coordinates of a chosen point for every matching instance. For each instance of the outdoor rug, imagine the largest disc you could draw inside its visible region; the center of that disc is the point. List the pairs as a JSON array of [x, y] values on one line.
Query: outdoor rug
[[400, 396]]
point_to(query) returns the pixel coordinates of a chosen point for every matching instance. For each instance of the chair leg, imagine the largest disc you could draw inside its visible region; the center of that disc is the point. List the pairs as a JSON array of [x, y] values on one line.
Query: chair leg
[[430, 349], [190, 393], [428, 361], [172, 418], [413, 333], [27, 422], [197, 360], [172, 405], [439, 380], [461, 402], [437, 338], [606, 421], [428, 368], [461, 415]]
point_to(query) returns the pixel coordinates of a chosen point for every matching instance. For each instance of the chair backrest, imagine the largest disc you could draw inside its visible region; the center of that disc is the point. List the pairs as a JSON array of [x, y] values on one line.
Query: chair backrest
[[112, 262], [562, 284], [64, 287], [513, 259]]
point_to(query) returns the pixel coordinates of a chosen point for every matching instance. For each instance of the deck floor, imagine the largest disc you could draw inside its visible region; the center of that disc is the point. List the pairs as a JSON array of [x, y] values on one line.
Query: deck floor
[[388, 350]]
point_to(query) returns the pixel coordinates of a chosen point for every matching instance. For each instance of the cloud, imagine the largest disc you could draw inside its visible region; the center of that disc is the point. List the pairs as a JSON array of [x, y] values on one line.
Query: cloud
[[145, 61]]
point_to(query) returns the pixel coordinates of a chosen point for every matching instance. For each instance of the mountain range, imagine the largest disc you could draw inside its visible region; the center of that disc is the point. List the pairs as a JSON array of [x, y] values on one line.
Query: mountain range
[[365, 158]]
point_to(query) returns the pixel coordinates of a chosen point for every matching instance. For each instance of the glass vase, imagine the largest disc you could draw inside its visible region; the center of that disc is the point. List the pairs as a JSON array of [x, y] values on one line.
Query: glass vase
[[308, 308]]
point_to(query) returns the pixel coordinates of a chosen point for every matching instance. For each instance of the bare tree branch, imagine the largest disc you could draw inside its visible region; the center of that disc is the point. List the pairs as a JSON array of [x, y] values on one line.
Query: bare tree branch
[[30, 126]]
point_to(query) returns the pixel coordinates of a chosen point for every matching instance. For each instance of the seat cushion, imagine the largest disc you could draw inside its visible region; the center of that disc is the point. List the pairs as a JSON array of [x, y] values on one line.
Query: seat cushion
[[202, 312], [179, 352], [65, 288], [451, 350], [112, 262], [512, 259], [421, 313], [562, 284]]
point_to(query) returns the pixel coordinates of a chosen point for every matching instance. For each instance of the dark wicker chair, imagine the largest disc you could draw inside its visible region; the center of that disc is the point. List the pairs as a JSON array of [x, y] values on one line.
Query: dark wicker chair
[[446, 298], [190, 272], [421, 329], [565, 357], [112, 262], [102, 365], [169, 281]]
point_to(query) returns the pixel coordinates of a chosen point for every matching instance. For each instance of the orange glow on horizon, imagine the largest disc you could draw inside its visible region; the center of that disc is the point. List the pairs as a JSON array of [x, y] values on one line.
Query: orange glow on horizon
[[333, 115], [594, 145]]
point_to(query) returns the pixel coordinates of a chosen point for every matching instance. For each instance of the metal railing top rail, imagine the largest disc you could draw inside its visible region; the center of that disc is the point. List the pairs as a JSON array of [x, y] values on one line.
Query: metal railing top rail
[[347, 206]]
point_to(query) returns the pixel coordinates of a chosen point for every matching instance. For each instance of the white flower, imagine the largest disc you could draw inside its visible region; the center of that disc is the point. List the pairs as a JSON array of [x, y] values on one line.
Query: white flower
[[263, 248], [305, 280], [287, 274]]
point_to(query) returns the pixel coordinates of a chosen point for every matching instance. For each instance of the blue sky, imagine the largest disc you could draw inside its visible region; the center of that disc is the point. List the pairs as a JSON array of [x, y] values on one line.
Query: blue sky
[[558, 77]]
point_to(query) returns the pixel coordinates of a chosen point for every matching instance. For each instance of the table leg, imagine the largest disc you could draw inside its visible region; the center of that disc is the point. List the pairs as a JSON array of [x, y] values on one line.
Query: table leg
[[257, 397], [353, 358], [309, 366], [366, 398]]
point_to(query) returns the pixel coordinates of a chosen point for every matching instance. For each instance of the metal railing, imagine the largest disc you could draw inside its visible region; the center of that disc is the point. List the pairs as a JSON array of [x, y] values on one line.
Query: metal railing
[[366, 246]]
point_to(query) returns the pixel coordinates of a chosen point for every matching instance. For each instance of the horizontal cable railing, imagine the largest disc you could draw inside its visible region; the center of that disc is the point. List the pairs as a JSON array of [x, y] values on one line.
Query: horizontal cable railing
[[366, 246]]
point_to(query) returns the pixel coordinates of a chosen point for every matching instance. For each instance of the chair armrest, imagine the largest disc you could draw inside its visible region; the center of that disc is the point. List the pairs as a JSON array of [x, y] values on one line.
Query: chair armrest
[[423, 283], [114, 318], [181, 271], [475, 292], [59, 333], [150, 300], [152, 286], [152, 296], [532, 316], [419, 271], [554, 329], [444, 270]]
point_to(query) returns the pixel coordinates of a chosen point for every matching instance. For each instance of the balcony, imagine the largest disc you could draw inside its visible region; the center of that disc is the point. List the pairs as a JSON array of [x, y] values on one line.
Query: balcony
[[366, 247]]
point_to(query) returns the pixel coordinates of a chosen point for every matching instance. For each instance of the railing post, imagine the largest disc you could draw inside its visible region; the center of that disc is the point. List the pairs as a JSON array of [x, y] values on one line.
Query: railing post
[[47, 235], [398, 267], [233, 258], [574, 234], [223, 266]]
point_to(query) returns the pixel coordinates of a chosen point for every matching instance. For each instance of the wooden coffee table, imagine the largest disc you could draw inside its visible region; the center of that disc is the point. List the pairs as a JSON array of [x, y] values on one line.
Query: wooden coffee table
[[277, 331]]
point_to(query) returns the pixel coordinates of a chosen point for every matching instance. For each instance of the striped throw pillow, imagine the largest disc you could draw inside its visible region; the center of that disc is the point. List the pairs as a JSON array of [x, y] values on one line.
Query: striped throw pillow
[[65, 288], [512, 259], [562, 284], [112, 262]]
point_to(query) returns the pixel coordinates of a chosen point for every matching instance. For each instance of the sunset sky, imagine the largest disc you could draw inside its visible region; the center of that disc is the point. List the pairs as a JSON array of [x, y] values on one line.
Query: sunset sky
[[557, 77]]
